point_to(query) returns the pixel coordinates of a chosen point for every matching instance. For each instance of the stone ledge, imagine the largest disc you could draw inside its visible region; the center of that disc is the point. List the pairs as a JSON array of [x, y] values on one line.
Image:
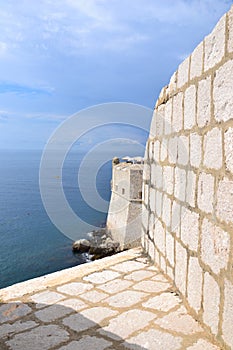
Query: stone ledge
[[40, 283]]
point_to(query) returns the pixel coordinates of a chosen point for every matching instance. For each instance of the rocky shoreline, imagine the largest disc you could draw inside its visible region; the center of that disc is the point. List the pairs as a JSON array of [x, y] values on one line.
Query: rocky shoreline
[[98, 245]]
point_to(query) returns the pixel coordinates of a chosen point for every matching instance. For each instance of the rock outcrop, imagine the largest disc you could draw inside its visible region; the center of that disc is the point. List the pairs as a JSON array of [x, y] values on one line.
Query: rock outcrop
[[99, 245]]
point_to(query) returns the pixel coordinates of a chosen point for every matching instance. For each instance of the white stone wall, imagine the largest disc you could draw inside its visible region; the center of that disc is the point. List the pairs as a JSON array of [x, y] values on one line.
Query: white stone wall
[[188, 182]]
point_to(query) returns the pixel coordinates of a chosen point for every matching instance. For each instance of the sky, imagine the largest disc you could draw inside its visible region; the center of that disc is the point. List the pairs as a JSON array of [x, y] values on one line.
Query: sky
[[59, 57]]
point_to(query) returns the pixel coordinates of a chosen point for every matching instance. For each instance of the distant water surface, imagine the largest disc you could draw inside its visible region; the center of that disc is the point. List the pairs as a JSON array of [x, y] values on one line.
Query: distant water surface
[[31, 245]]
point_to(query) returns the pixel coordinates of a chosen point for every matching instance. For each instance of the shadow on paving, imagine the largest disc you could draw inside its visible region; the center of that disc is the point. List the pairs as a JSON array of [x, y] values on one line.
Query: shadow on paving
[[30, 326]]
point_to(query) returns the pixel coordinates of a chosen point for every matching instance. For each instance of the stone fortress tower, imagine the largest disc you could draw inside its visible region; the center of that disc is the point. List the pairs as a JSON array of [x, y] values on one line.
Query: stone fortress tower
[[124, 215]]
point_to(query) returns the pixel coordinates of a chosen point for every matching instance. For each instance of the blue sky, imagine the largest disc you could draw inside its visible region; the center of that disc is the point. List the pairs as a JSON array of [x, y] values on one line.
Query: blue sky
[[58, 57]]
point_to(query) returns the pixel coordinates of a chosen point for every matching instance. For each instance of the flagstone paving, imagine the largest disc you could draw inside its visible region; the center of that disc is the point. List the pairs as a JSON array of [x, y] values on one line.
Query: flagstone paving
[[120, 302]]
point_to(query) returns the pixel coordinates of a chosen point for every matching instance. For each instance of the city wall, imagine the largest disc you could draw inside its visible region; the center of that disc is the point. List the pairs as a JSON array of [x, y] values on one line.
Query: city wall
[[188, 182]]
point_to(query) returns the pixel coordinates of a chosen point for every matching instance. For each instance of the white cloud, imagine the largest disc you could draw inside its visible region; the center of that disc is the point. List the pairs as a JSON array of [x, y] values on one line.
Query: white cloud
[[12, 115], [46, 116], [96, 9], [71, 26]]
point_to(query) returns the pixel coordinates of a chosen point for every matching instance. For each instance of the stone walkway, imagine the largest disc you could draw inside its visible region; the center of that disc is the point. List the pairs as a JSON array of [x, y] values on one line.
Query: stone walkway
[[120, 302]]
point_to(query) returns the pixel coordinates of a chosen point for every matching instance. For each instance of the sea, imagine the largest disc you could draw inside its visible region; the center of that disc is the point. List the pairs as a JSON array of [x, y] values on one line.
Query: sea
[[31, 245]]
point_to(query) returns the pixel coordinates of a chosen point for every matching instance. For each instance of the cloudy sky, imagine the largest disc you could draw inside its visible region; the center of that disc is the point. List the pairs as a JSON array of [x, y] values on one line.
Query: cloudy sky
[[58, 57]]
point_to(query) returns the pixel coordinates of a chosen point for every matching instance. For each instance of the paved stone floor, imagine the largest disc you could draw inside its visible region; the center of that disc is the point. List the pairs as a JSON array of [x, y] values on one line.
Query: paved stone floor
[[120, 302]]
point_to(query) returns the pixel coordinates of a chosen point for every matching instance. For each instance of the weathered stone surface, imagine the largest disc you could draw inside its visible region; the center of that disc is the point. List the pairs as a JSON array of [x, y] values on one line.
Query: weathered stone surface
[[158, 203], [160, 120], [145, 193], [179, 321], [223, 92], [46, 298], [177, 120], [125, 324], [152, 199], [117, 285], [151, 286], [75, 288], [196, 61], [159, 236], [98, 314], [183, 73], [230, 28], [156, 150], [170, 248], [202, 344], [194, 287], [9, 329], [176, 218], [205, 197], [102, 277], [213, 149], [87, 342], [225, 200], [13, 311], [181, 268], [183, 150], [190, 107], [142, 309], [166, 216], [168, 172], [159, 277], [215, 246], [125, 299], [145, 217], [138, 276], [189, 228], [151, 251], [228, 313], [73, 303], [204, 102], [94, 296], [228, 147], [172, 149], [172, 83], [191, 188], [146, 172], [180, 183], [168, 118], [153, 126], [195, 150], [128, 266], [164, 150], [52, 313], [211, 302], [154, 339], [163, 302], [157, 176], [78, 323], [214, 45], [43, 338]]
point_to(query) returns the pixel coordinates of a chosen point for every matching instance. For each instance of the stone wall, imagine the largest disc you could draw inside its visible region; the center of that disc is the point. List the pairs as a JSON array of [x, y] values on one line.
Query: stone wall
[[188, 182]]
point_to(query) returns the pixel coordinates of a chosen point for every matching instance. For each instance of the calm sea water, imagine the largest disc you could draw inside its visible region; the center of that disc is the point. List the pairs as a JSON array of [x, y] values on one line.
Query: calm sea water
[[31, 245]]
